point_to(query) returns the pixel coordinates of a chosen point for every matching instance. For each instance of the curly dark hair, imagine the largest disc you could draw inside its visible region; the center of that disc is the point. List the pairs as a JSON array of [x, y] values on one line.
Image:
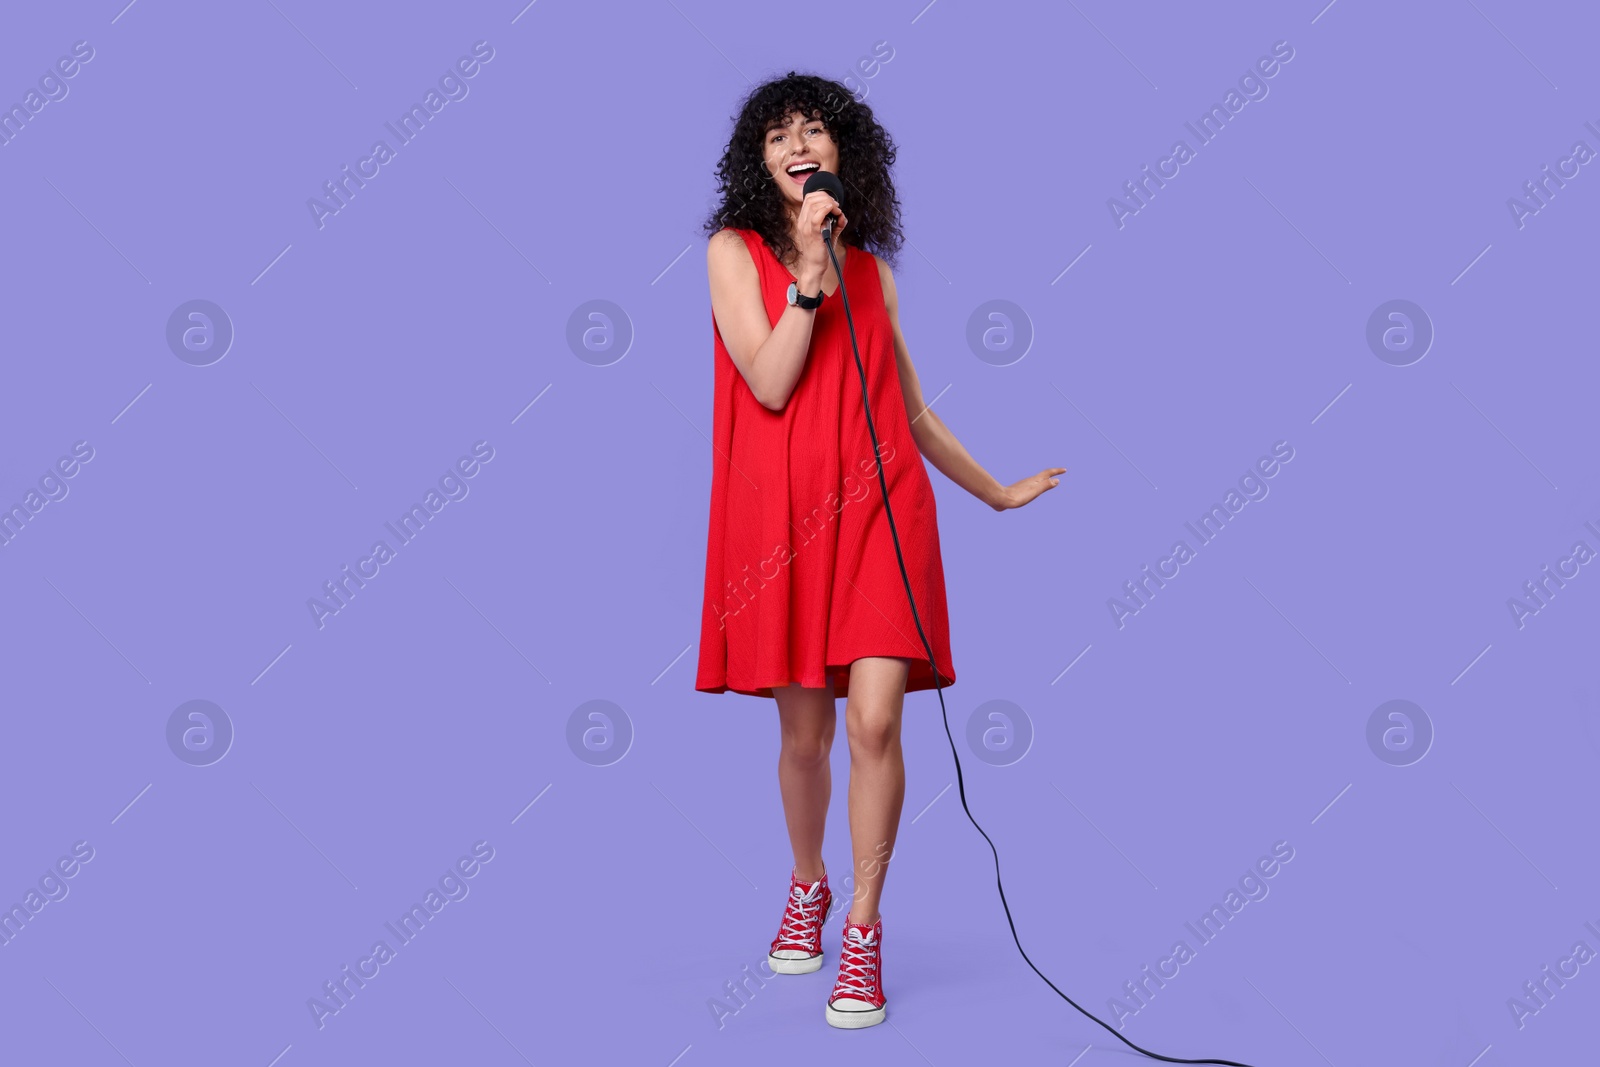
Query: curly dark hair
[[751, 200]]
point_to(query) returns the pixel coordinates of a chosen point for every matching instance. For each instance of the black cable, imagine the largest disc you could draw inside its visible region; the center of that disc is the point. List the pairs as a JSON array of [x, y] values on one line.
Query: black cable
[[883, 484]]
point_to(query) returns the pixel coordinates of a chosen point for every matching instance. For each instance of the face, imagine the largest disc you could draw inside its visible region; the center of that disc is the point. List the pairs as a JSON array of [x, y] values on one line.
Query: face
[[799, 141]]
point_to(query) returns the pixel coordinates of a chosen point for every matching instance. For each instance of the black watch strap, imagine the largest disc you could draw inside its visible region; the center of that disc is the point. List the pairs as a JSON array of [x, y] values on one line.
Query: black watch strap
[[800, 300]]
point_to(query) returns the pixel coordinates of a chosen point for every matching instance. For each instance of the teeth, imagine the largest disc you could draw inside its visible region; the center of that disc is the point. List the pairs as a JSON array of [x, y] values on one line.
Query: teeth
[[801, 167]]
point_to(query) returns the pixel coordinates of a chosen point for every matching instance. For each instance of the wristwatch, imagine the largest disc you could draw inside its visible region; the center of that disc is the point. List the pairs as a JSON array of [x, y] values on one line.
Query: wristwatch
[[805, 303]]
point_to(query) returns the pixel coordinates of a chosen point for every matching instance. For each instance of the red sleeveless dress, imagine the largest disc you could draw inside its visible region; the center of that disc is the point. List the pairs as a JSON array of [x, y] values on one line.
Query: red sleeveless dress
[[801, 577]]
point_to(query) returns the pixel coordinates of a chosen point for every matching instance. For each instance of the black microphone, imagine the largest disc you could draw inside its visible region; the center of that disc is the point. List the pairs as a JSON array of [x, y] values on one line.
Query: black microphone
[[829, 183]]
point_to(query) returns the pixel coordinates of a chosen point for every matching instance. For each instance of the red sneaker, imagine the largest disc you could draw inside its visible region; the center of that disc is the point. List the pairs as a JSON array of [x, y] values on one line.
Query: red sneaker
[[857, 999], [798, 947]]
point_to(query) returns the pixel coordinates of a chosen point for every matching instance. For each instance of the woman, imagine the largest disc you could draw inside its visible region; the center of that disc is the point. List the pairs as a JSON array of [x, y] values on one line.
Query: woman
[[804, 600]]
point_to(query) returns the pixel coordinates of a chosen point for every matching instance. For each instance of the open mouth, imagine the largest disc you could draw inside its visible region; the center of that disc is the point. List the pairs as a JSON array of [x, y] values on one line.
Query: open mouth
[[799, 172]]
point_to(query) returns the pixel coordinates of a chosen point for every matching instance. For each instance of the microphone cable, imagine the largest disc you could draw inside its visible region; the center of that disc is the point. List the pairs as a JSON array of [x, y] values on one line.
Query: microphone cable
[[883, 484]]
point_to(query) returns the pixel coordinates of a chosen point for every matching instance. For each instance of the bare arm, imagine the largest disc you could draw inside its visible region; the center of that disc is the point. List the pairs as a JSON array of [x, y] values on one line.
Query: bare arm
[[934, 438], [770, 357]]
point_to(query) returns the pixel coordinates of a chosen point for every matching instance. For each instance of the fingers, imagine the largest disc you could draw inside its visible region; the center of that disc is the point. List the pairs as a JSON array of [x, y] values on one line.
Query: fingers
[[821, 204], [809, 206], [817, 205], [1042, 482]]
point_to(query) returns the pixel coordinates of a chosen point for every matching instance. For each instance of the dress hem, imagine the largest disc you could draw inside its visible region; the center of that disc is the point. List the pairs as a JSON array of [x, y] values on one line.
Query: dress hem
[[837, 673]]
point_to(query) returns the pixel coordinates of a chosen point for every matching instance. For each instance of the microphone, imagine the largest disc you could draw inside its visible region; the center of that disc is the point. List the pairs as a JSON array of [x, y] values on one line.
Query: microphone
[[829, 183]]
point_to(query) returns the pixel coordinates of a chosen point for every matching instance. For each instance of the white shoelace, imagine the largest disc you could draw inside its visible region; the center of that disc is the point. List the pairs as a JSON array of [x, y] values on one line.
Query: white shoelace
[[801, 916], [856, 967]]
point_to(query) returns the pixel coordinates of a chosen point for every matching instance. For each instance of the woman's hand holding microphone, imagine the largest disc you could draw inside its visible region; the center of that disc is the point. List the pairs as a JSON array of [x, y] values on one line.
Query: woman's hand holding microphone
[[814, 262]]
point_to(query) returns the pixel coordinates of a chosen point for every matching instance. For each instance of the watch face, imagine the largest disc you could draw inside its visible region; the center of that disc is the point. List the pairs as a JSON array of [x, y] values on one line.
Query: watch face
[[794, 293]]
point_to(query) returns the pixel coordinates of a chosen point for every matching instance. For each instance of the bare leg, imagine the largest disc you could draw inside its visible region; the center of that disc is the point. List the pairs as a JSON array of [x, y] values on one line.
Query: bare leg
[[807, 718], [877, 773]]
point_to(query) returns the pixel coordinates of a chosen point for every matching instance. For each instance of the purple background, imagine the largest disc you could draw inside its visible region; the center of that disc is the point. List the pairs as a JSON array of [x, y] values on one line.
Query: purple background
[[1231, 713]]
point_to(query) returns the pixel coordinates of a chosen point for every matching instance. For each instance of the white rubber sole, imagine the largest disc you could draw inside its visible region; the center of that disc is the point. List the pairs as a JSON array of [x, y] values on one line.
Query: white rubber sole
[[855, 1020], [783, 966]]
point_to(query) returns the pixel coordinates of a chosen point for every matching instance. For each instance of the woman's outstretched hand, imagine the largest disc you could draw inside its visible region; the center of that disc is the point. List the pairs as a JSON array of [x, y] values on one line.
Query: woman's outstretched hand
[[1014, 496]]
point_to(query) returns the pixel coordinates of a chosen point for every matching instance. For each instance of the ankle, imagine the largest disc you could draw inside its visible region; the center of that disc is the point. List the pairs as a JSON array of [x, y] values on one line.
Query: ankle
[[810, 874]]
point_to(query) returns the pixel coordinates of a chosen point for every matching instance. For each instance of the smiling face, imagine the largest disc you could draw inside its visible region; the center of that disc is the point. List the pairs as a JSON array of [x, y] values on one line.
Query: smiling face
[[795, 149]]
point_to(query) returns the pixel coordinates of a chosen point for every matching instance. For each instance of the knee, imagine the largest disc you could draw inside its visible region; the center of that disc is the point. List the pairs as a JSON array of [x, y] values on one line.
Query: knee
[[808, 749], [872, 733]]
